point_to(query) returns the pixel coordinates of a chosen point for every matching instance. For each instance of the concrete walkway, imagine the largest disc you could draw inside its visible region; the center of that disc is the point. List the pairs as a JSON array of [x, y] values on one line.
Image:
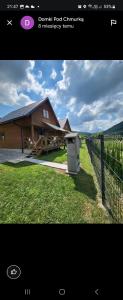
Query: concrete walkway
[[6, 155], [47, 163], [40, 162]]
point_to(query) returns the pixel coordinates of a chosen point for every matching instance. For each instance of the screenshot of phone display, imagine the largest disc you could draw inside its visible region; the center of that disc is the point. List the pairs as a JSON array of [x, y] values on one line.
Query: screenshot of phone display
[[61, 149]]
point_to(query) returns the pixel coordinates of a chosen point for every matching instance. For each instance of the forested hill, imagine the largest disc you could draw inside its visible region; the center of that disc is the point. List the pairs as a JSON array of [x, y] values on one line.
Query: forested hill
[[116, 129]]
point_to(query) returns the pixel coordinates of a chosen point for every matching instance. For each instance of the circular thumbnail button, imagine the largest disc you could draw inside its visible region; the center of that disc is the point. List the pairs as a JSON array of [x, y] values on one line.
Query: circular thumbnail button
[[62, 292], [27, 22], [13, 272]]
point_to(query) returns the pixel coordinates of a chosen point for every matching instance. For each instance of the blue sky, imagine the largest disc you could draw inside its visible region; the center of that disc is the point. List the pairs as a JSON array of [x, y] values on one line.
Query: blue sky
[[88, 92]]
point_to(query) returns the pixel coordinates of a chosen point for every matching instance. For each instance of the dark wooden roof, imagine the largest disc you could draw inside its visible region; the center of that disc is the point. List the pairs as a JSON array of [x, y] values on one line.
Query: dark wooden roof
[[62, 123], [23, 111]]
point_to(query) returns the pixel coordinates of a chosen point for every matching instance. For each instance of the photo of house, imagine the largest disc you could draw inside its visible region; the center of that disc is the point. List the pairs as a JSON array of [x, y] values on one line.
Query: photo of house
[[61, 141]]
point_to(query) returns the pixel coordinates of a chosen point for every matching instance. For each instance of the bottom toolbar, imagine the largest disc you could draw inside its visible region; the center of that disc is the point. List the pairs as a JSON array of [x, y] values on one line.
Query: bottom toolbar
[[77, 292]]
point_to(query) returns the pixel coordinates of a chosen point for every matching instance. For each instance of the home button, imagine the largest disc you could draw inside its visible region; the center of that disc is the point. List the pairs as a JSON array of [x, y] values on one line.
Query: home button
[[62, 292]]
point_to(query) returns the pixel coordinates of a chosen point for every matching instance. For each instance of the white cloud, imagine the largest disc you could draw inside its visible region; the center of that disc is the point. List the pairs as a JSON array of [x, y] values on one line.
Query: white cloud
[[13, 80], [64, 83], [32, 64], [90, 93], [31, 83], [53, 74], [71, 104], [39, 75], [23, 99], [9, 95]]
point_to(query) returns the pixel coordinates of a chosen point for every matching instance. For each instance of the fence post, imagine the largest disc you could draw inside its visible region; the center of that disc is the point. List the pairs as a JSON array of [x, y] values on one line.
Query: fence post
[[102, 169]]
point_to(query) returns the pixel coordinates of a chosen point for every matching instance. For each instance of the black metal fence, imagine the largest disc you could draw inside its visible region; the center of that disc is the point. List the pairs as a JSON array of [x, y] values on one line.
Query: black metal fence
[[106, 153]]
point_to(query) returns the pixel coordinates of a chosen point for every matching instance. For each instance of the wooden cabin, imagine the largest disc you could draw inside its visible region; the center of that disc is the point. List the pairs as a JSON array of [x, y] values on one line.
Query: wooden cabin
[[65, 124], [34, 127]]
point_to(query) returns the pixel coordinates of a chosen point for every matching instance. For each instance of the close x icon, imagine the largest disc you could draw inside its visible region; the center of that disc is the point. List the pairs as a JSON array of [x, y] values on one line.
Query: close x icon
[[9, 23]]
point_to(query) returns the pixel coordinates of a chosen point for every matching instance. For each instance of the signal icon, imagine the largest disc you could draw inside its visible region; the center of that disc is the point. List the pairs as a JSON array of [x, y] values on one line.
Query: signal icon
[[89, 5]]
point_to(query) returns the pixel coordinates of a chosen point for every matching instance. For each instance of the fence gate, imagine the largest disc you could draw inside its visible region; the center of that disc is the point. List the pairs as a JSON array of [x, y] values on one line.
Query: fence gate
[[106, 153]]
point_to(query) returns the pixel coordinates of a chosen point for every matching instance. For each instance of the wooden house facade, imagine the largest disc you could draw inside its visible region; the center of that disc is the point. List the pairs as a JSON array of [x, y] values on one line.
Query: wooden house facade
[[25, 127]]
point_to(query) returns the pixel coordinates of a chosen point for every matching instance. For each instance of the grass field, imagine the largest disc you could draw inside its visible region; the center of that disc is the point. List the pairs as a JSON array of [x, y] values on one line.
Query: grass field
[[59, 156], [32, 193]]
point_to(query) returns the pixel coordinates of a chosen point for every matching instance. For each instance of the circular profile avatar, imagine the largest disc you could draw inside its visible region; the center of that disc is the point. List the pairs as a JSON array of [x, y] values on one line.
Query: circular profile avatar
[[27, 22]]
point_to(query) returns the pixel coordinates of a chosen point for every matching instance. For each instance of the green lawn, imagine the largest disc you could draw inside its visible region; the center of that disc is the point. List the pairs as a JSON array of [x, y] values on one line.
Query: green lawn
[[59, 156], [31, 193]]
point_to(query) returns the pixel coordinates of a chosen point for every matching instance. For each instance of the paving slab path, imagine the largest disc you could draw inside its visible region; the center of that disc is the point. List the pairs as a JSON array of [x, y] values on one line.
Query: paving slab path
[[40, 162], [6, 155]]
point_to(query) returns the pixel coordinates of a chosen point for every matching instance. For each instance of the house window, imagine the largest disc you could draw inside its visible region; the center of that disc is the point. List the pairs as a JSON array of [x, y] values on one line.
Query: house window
[[41, 131], [2, 136], [45, 114]]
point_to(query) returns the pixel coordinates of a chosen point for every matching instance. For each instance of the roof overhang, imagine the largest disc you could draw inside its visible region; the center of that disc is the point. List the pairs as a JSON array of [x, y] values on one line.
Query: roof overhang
[[54, 127]]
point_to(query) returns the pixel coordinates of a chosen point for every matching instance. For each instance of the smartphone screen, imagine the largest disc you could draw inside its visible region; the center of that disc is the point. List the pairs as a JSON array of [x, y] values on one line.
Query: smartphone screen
[[61, 149]]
